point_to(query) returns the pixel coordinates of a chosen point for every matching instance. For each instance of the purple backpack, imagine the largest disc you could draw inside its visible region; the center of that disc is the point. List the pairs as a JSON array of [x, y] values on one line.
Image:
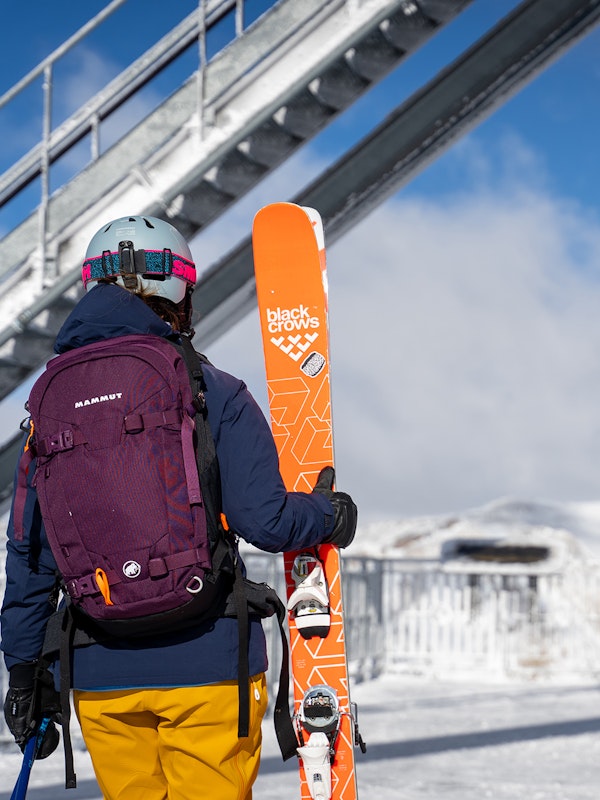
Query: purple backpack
[[115, 441], [128, 485]]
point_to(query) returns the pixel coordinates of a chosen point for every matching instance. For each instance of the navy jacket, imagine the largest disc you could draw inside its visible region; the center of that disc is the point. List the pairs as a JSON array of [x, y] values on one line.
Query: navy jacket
[[255, 502]]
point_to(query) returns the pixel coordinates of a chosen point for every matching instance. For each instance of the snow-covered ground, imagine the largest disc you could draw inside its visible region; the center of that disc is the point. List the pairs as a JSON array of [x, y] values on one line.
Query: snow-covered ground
[[434, 740], [443, 739]]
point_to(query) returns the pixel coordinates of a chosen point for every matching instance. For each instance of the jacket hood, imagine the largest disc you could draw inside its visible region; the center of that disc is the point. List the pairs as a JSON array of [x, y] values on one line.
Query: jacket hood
[[107, 311]]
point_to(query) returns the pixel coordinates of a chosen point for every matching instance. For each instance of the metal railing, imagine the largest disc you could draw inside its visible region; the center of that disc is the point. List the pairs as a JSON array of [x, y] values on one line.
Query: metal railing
[[504, 624], [431, 619], [55, 142]]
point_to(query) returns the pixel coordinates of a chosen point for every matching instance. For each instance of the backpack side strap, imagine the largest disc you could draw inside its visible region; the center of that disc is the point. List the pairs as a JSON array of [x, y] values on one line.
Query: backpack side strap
[[263, 601], [59, 640]]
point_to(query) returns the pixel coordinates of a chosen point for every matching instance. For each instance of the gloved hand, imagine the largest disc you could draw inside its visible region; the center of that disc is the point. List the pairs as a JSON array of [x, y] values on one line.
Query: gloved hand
[[346, 513], [31, 696]]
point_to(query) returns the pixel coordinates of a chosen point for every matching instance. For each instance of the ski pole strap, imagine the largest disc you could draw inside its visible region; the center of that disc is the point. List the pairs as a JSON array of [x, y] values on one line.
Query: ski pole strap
[[29, 755]]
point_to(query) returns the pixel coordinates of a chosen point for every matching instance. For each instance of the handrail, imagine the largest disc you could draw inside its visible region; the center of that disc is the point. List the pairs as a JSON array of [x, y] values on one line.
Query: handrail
[[60, 51], [56, 143]]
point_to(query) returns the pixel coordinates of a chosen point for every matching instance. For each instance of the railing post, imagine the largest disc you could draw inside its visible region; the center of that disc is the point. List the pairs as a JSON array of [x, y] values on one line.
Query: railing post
[[95, 138], [46, 274], [201, 94], [239, 17]]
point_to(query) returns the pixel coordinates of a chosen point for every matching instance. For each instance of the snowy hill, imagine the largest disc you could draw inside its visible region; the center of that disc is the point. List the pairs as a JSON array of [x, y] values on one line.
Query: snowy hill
[[566, 529]]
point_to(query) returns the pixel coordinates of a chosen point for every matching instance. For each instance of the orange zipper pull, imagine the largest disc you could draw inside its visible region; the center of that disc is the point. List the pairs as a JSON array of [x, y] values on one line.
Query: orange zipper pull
[[29, 436], [102, 582]]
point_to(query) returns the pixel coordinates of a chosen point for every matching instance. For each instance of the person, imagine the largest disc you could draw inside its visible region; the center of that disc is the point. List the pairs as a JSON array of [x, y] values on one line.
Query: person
[[158, 714]]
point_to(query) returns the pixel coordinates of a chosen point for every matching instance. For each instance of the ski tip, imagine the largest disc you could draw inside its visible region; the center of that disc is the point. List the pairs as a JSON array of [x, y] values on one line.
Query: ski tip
[[312, 214], [270, 207]]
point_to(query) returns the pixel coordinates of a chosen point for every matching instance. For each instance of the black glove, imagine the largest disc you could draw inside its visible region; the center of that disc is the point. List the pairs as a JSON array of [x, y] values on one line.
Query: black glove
[[346, 513], [31, 697]]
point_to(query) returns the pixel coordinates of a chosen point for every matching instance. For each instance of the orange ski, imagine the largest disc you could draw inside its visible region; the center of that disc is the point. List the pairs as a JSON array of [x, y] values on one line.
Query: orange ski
[[291, 285]]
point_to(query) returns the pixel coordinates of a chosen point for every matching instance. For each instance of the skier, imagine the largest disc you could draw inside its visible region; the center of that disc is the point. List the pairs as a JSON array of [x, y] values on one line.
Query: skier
[[159, 714]]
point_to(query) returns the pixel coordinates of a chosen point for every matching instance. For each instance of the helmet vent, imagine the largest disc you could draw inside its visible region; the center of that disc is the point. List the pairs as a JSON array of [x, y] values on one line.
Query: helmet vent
[[148, 223]]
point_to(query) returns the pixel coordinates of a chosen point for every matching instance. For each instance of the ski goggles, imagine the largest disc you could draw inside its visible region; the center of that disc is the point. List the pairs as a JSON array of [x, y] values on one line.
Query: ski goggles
[[150, 264]]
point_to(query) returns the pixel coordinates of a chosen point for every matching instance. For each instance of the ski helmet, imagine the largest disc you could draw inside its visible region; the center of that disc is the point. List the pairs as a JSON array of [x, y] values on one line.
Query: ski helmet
[[141, 253]]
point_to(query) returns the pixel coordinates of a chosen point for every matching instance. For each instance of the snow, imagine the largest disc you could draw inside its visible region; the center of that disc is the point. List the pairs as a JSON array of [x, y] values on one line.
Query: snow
[[453, 736], [572, 528], [427, 739]]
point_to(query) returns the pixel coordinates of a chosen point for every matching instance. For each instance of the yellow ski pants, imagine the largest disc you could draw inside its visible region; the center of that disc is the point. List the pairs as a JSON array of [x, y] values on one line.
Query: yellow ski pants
[[173, 744]]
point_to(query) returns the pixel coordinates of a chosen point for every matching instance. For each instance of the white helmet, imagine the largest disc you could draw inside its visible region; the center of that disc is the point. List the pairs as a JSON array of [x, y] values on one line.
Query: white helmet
[[142, 253]]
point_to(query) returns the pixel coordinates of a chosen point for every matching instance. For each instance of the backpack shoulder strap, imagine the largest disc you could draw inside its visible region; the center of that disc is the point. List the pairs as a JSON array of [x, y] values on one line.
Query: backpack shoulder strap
[[206, 457], [193, 361], [59, 640], [20, 495]]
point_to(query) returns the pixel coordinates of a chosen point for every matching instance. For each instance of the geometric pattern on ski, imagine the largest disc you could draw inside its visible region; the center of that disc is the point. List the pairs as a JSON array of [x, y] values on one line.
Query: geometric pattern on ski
[[291, 286]]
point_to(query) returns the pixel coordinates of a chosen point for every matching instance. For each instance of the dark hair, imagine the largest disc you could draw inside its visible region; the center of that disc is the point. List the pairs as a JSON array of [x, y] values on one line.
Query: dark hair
[[178, 315], [166, 309]]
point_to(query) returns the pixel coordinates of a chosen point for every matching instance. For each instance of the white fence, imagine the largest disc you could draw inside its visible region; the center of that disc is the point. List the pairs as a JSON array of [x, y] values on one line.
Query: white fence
[[498, 624], [421, 618]]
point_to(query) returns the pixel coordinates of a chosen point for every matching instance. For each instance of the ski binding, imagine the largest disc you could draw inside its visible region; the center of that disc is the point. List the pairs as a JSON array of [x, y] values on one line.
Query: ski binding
[[309, 602], [319, 715]]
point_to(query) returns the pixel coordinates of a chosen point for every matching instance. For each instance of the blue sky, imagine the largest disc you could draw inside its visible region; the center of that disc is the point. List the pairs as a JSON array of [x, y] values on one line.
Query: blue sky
[[467, 304]]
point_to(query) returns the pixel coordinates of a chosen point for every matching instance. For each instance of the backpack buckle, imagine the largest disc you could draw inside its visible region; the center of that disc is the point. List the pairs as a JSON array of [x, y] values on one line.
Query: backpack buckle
[[134, 423], [56, 443], [62, 441]]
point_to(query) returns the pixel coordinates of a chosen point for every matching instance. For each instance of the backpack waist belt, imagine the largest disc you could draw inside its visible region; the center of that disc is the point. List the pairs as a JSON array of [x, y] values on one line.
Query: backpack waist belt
[[157, 568]]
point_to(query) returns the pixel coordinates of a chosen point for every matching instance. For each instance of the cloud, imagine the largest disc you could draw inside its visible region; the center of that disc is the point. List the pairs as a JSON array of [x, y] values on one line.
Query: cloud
[[465, 337]]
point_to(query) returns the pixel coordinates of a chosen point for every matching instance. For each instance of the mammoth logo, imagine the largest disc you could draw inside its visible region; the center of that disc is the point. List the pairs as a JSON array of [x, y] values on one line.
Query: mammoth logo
[[131, 569]]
